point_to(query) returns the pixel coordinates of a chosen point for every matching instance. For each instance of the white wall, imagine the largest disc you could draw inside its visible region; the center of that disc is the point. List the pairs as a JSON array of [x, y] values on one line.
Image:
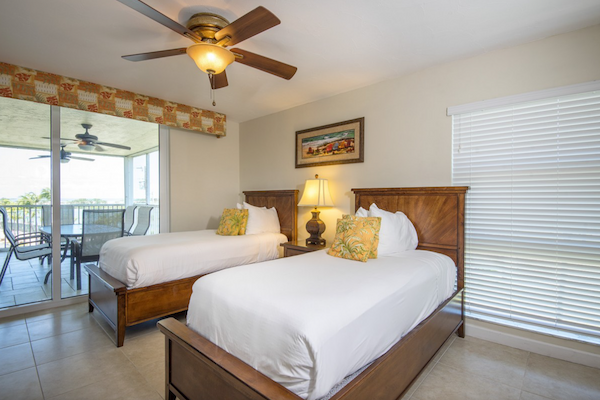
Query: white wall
[[204, 177], [407, 132]]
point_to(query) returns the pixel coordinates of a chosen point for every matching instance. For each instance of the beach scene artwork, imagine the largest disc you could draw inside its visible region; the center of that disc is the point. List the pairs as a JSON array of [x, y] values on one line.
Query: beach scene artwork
[[339, 143], [329, 144]]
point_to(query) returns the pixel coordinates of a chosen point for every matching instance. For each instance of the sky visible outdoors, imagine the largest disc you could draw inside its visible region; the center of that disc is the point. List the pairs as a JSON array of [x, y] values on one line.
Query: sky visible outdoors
[[102, 178]]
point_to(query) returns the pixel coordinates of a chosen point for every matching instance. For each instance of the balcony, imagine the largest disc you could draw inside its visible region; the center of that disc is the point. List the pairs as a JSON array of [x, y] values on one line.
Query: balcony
[[23, 282]]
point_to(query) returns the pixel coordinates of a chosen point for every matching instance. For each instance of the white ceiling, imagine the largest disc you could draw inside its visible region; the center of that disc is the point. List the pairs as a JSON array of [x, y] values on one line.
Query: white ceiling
[[337, 45], [26, 125]]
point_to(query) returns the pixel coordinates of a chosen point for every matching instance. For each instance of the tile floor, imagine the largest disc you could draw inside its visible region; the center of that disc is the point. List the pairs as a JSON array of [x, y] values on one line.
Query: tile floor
[[47, 355], [23, 282]]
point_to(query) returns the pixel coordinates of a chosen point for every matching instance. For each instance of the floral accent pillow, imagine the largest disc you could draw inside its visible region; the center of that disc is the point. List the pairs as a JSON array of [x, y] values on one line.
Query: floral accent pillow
[[233, 222], [244, 224], [355, 238], [376, 225]]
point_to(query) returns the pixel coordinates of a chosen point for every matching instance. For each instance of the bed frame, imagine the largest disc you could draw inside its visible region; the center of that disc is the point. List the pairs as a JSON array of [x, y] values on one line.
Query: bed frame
[[121, 307], [198, 369]]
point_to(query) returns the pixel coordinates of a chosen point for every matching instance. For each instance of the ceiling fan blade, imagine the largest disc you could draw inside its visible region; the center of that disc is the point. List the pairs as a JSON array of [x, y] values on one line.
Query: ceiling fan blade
[[265, 64], [33, 158], [117, 146], [256, 21], [162, 19], [154, 54], [218, 81], [80, 158]]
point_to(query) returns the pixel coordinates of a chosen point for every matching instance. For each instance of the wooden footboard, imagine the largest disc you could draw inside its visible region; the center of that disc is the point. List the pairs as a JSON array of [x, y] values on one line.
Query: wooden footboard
[[107, 296], [121, 307], [196, 369]]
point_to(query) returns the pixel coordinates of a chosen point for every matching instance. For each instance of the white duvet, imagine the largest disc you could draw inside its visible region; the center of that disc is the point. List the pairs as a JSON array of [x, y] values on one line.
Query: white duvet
[[308, 321], [140, 261]]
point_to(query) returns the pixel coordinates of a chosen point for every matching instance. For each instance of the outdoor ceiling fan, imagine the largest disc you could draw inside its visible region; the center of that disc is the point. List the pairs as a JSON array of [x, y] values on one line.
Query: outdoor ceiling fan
[[212, 34], [88, 142], [65, 156]]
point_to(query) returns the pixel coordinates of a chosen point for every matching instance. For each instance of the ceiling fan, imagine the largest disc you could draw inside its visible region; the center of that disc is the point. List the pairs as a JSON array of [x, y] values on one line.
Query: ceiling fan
[[212, 34], [88, 142], [65, 156]]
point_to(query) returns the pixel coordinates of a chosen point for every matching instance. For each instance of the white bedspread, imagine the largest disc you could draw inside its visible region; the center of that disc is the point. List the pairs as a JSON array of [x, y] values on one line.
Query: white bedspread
[[140, 261], [308, 321]]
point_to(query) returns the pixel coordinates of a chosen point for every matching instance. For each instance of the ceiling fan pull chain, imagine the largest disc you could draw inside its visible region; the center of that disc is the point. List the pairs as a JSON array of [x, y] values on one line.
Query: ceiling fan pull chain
[[211, 78]]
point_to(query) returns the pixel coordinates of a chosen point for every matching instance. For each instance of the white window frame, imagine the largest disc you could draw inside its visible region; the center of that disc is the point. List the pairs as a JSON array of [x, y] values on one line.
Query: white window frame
[[508, 254]]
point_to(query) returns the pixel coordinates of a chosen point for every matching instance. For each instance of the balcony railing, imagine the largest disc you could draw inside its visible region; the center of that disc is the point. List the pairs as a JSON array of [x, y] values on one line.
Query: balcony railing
[[27, 218]]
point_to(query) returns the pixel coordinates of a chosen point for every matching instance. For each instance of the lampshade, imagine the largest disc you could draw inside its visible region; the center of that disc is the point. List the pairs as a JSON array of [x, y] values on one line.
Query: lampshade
[[316, 193], [210, 58]]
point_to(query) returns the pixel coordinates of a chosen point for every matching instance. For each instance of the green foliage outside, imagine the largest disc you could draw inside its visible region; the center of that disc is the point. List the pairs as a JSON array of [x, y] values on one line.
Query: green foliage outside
[[29, 199], [45, 196]]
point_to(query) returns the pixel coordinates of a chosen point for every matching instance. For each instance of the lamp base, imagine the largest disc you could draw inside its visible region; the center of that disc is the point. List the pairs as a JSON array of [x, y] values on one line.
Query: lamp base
[[315, 227]]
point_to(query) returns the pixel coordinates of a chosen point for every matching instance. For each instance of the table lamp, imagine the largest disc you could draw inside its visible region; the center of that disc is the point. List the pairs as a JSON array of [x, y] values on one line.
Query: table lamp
[[316, 194]]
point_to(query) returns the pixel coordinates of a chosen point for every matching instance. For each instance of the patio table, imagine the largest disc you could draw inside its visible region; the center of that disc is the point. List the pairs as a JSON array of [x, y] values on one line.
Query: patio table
[[70, 231]]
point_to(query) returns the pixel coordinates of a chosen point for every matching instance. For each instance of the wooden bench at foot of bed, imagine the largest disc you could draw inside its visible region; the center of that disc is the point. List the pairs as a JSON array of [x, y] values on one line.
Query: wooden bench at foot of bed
[[121, 307]]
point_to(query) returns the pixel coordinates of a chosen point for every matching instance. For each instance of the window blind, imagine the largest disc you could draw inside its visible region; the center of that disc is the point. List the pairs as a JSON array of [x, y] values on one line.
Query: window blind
[[532, 234]]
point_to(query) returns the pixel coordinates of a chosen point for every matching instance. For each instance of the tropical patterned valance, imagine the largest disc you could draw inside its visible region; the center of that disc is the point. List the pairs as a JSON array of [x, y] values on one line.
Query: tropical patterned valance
[[42, 87]]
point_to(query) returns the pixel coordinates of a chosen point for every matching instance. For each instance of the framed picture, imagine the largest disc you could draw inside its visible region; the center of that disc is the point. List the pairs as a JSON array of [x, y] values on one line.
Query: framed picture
[[339, 143]]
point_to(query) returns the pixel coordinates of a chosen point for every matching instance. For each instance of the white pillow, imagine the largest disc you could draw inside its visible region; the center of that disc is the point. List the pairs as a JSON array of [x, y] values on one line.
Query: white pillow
[[361, 212], [249, 206], [397, 233], [262, 220]]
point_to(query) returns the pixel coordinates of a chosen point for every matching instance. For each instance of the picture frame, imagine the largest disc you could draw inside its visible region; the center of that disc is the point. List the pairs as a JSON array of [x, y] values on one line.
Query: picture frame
[[339, 143]]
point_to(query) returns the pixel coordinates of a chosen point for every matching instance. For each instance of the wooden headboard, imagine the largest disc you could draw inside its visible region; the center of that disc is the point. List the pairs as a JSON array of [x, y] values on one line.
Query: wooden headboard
[[436, 212], [285, 202]]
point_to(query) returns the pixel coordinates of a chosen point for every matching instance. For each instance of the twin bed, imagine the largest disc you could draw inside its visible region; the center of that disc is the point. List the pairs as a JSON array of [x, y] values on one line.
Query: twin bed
[[143, 278], [370, 352]]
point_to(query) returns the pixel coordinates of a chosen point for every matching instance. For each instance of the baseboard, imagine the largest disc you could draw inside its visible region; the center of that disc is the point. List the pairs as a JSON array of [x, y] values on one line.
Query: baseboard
[[563, 349], [42, 305]]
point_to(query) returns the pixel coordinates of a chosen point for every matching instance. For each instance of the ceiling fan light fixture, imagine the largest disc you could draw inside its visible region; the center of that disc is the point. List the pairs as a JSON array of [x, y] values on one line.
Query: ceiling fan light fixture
[[64, 160], [86, 146], [210, 58]]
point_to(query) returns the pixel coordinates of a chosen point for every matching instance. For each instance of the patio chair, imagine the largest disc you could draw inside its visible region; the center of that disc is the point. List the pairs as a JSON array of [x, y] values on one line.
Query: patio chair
[[26, 246], [128, 219], [99, 226], [67, 217], [143, 221]]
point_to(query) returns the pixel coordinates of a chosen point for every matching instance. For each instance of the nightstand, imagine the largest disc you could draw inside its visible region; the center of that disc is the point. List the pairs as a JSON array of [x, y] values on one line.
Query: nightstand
[[299, 247]]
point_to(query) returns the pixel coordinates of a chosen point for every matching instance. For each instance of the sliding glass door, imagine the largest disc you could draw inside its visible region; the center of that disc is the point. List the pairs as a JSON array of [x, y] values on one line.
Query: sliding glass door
[[25, 195], [92, 178], [57, 163]]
